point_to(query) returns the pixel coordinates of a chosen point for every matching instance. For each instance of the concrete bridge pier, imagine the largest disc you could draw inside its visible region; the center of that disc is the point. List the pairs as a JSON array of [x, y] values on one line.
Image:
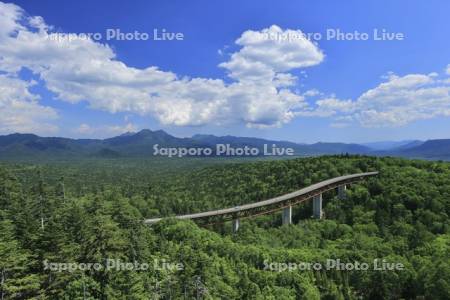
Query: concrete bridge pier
[[342, 189], [287, 215], [317, 207], [235, 225]]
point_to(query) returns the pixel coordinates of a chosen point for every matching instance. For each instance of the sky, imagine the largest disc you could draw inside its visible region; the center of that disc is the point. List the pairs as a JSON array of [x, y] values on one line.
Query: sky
[[304, 71]]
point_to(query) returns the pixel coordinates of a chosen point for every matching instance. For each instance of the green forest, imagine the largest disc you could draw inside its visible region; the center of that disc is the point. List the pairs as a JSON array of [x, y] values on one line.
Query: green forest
[[92, 211]]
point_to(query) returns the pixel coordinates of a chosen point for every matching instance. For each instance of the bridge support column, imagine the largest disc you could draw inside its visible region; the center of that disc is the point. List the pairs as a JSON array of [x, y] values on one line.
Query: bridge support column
[[342, 191], [287, 215], [317, 207], [235, 225]]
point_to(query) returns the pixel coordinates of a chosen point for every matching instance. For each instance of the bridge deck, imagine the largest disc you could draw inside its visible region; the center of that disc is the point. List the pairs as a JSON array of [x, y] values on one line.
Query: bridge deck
[[277, 200]]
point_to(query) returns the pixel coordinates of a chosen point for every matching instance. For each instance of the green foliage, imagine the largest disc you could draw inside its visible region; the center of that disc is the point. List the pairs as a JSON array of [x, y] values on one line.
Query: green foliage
[[93, 211]]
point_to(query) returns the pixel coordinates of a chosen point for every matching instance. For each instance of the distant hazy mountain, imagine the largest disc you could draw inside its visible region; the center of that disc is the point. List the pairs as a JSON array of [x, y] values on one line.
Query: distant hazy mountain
[[300, 149], [129, 144], [337, 148], [140, 144], [389, 145], [33, 146], [431, 149], [235, 141], [409, 145]]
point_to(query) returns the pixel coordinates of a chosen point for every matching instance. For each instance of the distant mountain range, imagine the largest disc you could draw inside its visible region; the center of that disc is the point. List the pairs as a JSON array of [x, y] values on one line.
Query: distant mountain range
[[388, 145], [140, 144]]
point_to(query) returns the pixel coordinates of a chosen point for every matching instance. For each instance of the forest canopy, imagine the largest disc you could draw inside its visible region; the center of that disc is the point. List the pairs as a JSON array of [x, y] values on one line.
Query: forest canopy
[[93, 212]]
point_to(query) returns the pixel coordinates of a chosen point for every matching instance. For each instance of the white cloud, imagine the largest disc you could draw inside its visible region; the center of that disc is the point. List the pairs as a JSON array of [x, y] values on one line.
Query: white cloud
[[87, 130], [260, 94], [84, 129], [10, 15], [311, 93], [329, 106], [83, 70], [20, 110], [396, 102], [265, 53]]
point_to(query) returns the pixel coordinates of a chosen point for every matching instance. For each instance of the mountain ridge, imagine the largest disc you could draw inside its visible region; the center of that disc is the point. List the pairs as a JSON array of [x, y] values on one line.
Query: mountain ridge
[[140, 144]]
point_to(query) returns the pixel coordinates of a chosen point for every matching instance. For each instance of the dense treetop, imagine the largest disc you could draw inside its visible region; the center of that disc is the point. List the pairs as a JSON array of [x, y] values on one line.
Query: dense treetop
[[93, 211]]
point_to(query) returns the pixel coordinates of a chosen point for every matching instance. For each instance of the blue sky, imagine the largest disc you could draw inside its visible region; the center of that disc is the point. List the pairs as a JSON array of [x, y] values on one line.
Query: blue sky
[[303, 91]]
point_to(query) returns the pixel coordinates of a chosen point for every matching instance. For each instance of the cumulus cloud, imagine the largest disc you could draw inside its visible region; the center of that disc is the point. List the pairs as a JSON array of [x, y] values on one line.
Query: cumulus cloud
[[268, 52], [397, 102], [20, 110], [260, 93], [328, 107], [78, 69]]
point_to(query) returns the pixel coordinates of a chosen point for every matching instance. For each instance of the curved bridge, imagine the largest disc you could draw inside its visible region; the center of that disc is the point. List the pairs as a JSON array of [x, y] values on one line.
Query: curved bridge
[[284, 202]]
